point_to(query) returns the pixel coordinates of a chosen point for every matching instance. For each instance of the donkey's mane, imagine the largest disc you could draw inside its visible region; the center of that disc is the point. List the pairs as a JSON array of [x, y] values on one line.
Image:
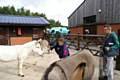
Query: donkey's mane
[[49, 69]]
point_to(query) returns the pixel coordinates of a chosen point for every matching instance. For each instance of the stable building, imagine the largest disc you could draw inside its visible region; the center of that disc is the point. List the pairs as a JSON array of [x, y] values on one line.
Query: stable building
[[92, 15], [21, 29]]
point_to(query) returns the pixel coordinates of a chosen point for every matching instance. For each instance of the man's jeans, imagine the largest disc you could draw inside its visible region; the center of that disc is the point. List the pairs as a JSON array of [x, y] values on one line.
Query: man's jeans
[[108, 67]]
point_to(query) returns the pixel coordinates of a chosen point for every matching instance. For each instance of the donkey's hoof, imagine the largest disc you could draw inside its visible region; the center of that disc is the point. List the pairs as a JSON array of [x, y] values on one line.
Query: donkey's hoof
[[20, 75]]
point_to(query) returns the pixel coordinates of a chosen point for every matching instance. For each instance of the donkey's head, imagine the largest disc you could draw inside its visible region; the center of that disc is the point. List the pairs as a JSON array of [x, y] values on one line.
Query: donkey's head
[[45, 47]]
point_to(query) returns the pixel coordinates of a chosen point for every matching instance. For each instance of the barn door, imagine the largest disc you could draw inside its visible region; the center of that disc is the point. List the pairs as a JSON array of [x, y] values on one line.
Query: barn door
[[90, 29], [3, 36], [89, 25]]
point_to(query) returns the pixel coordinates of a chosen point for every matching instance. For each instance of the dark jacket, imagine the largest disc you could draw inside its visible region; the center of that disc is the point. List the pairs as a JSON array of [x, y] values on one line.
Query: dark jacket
[[111, 41], [62, 51]]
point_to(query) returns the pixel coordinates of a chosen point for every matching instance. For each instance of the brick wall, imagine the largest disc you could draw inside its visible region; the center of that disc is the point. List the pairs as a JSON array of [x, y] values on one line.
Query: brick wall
[[75, 30], [100, 28], [115, 27], [19, 40]]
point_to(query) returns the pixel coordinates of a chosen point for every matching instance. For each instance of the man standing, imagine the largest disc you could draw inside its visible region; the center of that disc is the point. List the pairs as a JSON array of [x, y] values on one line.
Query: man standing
[[110, 50]]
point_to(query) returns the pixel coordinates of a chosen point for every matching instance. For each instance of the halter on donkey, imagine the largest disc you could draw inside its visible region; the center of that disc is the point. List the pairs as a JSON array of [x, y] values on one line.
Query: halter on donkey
[[20, 52]]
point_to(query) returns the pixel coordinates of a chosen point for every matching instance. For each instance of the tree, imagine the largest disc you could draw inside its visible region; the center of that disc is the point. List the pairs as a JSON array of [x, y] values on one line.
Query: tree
[[58, 24], [18, 12], [22, 11], [1, 10], [27, 13], [6, 10], [53, 23], [12, 10], [43, 15]]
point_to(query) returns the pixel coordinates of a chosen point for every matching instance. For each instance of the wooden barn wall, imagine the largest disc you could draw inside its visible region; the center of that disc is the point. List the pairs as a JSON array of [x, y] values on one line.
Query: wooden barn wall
[[110, 12]]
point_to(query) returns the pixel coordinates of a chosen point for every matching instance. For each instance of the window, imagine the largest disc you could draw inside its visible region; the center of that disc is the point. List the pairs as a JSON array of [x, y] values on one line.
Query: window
[[17, 31], [90, 19], [27, 31]]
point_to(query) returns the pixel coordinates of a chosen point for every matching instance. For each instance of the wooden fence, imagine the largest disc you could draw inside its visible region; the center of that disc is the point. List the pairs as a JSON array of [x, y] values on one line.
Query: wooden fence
[[81, 42]]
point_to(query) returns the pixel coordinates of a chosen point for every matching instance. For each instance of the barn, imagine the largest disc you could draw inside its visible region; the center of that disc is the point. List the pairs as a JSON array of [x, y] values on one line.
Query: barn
[[92, 15], [20, 29]]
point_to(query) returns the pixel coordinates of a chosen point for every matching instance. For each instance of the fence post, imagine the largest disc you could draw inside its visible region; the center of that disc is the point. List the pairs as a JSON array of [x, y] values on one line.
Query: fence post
[[78, 41]]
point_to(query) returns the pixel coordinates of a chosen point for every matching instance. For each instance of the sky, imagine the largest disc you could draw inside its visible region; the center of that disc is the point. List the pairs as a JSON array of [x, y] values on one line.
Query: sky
[[54, 9]]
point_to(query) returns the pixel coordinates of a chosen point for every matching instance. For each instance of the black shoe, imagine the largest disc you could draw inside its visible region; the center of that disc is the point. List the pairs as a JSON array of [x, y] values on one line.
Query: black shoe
[[105, 78]]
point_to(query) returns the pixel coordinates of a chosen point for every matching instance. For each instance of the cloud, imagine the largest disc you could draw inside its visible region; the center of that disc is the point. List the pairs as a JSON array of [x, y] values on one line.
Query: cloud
[[15, 3], [54, 9]]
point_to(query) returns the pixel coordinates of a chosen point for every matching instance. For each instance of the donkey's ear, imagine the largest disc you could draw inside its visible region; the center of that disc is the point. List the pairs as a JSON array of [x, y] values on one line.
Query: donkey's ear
[[39, 40]]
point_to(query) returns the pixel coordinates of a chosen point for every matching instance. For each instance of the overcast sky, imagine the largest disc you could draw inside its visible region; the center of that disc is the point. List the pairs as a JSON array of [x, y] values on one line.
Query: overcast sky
[[54, 9]]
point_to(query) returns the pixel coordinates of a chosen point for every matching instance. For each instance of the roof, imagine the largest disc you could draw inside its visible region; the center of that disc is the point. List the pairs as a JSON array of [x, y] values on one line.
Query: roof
[[22, 20]]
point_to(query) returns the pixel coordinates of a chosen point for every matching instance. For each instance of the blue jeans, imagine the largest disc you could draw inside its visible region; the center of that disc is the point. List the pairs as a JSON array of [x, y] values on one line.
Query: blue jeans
[[108, 67]]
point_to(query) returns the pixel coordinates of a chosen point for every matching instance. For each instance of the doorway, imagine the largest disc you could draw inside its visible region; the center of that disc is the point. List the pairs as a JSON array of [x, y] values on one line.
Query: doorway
[[3, 36]]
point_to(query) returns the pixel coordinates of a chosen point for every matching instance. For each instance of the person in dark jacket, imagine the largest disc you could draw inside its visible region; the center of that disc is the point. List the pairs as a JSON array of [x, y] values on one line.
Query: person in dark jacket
[[110, 47], [61, 48]]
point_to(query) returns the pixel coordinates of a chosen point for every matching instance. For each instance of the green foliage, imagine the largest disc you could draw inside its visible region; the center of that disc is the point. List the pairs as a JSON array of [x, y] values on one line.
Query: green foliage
[[58, 24], [53, 23], [23, 12], [13, 11]]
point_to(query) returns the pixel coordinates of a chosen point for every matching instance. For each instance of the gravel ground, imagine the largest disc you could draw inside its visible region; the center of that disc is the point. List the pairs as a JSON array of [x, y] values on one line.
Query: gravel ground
[[34, 67]]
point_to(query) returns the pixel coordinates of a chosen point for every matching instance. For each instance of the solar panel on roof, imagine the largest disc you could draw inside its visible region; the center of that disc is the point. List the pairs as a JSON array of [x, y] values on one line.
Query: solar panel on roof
[[22, 20]]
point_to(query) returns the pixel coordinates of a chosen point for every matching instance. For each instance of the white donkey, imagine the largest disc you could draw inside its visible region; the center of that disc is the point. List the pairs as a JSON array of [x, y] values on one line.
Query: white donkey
[[20, 52]]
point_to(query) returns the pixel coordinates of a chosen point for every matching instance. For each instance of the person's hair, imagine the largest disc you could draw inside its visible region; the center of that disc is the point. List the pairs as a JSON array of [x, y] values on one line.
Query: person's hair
[[60, 40], [108, 26]]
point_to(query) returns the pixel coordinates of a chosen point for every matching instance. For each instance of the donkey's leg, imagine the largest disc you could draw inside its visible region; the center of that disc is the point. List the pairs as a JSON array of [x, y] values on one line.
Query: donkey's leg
[[20, 66]]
